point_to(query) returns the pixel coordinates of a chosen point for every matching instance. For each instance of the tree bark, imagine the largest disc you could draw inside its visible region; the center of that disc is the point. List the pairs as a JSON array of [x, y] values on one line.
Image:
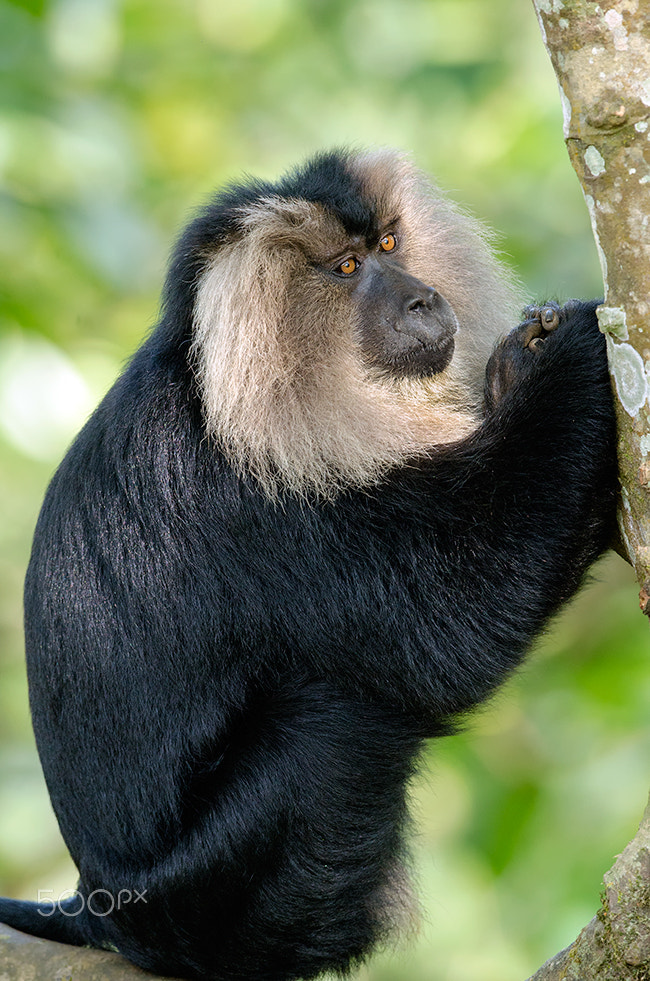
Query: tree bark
[[615, 946], [601, 57], [26, 958]]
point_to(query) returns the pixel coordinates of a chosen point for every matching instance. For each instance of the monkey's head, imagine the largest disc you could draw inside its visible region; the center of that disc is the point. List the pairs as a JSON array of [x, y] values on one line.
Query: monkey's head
[[341, 320]]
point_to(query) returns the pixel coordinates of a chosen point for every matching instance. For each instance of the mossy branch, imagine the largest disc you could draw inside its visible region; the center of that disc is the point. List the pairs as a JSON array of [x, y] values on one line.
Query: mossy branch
[[615, 946]]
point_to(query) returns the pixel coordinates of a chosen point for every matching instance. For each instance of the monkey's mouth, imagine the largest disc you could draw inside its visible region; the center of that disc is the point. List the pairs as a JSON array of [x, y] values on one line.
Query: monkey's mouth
[[425, 358], [436, 357]]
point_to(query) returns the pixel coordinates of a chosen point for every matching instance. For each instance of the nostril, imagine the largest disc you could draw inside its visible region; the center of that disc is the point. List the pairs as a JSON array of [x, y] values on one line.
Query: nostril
[[424, 301]]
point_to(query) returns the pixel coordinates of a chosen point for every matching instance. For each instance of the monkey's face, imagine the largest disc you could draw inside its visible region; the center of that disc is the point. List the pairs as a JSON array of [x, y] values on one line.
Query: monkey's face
[[325, 312], [403, 325]]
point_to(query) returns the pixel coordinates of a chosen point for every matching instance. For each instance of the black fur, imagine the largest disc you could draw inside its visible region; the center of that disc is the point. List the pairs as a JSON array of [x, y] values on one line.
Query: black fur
[[229, 693]]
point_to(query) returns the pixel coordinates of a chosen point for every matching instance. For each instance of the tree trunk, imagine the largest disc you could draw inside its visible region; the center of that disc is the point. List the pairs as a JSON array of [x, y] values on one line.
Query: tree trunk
[[602, 61], [601, 56]]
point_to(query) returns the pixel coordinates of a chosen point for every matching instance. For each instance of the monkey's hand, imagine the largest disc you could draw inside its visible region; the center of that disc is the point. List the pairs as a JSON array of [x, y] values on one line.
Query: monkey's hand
[[519, 349]]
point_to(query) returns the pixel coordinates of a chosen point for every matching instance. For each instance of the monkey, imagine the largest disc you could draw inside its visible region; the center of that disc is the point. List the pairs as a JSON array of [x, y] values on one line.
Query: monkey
[[323, 513]]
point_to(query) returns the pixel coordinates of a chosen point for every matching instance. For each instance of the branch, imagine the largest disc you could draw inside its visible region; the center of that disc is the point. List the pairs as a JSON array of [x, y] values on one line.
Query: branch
[[615, 946], [26, 958]]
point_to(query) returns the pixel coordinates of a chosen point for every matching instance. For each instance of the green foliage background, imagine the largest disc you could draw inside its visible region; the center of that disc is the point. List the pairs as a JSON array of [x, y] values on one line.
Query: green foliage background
[[116, 119]]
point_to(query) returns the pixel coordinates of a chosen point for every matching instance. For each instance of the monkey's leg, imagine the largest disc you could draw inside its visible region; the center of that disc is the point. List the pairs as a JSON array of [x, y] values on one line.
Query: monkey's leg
[[286, 870]]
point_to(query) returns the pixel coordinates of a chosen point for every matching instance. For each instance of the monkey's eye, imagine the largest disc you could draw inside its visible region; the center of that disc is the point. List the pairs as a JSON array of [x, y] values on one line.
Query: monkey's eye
[[388, 242], [348, 266]]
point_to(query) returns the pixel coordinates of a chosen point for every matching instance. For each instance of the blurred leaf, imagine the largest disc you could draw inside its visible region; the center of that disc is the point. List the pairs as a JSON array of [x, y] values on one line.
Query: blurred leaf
[[34, 7]]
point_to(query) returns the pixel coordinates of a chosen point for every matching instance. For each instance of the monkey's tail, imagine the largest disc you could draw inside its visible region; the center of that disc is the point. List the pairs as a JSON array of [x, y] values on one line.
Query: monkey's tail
[[61, 921]]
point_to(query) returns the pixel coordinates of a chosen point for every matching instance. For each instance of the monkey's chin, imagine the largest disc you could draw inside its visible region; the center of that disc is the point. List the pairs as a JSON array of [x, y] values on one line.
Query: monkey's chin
[[427, 361]]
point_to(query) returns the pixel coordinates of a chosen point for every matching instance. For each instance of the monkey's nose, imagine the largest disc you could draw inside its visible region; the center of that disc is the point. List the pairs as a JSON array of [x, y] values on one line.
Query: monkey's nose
[[422, 300]]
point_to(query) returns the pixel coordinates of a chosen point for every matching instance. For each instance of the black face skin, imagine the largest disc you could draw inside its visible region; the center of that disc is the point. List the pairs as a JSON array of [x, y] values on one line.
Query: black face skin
[[404, 325]]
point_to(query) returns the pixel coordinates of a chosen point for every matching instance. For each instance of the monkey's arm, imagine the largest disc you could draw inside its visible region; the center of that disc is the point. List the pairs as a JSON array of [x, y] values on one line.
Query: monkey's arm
[[454, 566]]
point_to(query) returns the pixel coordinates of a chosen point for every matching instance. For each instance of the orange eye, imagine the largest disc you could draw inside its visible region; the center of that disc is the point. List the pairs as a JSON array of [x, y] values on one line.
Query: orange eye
[[388, 242], [348, 266]]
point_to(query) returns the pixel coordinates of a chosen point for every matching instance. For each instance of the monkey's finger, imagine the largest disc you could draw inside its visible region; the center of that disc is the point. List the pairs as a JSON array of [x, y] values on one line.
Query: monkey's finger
[[530, 330], [550, 316], [532, 312]]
